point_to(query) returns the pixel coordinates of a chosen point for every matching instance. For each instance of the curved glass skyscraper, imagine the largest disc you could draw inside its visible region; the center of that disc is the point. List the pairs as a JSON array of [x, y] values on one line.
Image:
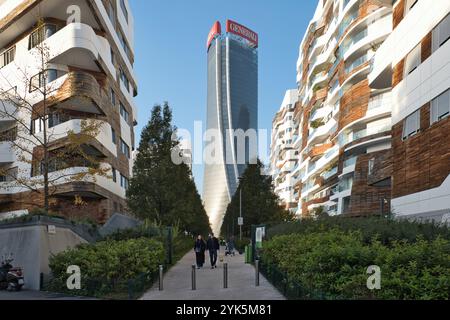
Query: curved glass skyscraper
[[232, 104]]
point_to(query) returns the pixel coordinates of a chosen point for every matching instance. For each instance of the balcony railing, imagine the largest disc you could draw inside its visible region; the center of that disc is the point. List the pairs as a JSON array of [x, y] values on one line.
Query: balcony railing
[[355, 64], [379, 101], [352, 40], [350, 162], [327, 174]]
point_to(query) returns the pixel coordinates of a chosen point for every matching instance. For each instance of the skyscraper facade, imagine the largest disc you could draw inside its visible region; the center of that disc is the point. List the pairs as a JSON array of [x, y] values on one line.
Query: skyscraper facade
[[232, 104]]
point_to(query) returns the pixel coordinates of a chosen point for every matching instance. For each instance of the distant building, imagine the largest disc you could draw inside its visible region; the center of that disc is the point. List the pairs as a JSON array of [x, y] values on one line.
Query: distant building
[[232, 104], [283, 156]]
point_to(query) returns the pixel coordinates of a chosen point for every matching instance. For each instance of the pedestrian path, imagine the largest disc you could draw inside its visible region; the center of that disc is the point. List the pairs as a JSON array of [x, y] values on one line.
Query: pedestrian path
[[241, 282]]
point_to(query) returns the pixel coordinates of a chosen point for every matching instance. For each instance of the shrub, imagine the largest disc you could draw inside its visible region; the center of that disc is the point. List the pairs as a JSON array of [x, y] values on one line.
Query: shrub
[[107, 264], [385, 230], [334, 263]]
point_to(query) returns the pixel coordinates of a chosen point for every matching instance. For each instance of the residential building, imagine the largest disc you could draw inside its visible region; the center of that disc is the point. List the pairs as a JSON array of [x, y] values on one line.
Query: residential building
[[90, 68], [414, 62], [343, 125], [232, 109], [283, 156]]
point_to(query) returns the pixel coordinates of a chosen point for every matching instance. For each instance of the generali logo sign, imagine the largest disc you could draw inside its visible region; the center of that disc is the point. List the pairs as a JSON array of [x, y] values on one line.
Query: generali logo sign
[[244, 32], [215, 30]]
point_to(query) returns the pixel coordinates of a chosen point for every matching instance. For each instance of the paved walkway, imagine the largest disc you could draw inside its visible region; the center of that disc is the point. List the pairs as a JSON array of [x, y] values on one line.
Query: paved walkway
[[241, 282]]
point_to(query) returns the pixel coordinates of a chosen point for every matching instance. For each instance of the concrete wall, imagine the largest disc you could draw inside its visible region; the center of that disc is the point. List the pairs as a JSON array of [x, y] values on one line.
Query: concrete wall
[[33, 245]]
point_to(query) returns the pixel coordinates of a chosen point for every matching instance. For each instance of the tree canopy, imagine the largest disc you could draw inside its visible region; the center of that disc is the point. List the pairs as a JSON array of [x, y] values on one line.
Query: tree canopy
[[161, 190], [260, 205]]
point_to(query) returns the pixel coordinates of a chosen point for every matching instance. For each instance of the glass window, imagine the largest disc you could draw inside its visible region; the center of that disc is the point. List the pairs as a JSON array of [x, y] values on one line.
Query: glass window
[[124, 113], [124, 9], [7, 57], [411, 125], [114, 174], [41, 34], [43, 78], [124, 183], [111, 13], [125, 148], [113, 97], [441, 33], [440, 107], [113, 135], [413, 60], [409, 5]]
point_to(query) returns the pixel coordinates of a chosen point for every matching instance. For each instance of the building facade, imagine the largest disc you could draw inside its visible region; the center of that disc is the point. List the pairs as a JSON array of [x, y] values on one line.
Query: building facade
[[283, 157], [232, 104], [414, 62], [341, 125], [89, 65]]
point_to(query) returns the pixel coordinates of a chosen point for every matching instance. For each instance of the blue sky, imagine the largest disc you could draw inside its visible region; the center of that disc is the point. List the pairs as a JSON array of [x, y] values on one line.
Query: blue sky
[[170, 40]]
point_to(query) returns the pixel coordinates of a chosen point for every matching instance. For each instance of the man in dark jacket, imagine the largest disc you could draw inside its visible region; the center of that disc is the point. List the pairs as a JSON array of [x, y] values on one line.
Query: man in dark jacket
[[213, 246]]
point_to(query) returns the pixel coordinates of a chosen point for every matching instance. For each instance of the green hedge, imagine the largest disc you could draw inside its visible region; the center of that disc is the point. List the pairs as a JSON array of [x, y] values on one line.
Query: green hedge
[[386, 230], [332, 264], [107, 266]]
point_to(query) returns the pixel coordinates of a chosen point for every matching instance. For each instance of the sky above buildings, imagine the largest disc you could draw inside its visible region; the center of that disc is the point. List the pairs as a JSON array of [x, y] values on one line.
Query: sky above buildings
[[170, 45]]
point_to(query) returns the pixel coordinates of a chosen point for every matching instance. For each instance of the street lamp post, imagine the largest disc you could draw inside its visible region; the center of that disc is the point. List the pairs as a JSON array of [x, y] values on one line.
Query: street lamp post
[[240, 214]]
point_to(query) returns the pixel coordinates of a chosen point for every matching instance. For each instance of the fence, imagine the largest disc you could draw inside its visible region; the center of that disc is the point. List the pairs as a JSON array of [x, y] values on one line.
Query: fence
[[120, 289], [290, 288]]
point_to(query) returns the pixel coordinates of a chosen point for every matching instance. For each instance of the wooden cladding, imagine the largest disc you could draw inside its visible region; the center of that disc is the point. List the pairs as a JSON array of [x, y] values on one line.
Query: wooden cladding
[[397, 75], [399, 11], [422, 162], [319, 150], [354, 104], [367, 199], [426, 46]]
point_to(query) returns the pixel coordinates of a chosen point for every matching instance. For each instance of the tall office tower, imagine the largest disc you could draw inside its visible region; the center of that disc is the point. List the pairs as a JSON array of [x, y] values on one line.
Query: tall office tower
[[341, 125], [232, 104], [415, 62], [89, 66], [283, 157]]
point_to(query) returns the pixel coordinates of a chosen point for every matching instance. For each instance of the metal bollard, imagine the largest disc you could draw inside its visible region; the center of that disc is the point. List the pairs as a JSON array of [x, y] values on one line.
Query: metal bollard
[[257, 272], [194, 286], [225, 275], [161, 275]]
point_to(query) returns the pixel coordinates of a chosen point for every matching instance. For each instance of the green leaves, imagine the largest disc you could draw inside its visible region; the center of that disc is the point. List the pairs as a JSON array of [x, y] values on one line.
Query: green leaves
[[160, 190], [334, 262], [108, 261], [259, 202]]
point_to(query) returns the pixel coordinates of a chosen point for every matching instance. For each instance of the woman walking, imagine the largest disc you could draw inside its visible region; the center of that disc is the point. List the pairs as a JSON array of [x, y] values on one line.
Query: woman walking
[[199, 248]]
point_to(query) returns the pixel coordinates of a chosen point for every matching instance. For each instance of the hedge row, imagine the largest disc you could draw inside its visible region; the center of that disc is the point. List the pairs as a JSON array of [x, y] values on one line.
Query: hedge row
[[334, 263]]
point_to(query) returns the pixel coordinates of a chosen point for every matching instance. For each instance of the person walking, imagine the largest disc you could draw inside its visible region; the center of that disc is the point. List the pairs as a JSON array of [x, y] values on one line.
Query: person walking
[[199, 248], [213, 246]]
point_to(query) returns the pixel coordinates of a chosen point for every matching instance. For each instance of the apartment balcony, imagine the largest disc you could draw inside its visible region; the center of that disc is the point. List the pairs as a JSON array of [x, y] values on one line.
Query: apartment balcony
[[379, 106], [349, 166], [318, 134], [318, 150], [372, 33], [320, 113], [347, 138], [329, 173], [7, 153], [104, 139], [81, 92]]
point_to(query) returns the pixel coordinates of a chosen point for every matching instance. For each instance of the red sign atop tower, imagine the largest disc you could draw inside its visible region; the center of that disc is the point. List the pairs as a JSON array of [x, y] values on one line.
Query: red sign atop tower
[[215, 30], [244, 32]]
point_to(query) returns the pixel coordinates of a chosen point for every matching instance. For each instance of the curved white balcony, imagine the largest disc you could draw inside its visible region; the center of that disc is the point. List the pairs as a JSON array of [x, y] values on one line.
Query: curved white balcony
[[372, 33], [322, 132], [104, 137], [415, 26]]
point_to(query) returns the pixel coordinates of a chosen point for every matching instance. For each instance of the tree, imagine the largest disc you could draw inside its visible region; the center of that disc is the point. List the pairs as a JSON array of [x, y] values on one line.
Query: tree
[[161, 190], [29, 103], [260, 205]]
